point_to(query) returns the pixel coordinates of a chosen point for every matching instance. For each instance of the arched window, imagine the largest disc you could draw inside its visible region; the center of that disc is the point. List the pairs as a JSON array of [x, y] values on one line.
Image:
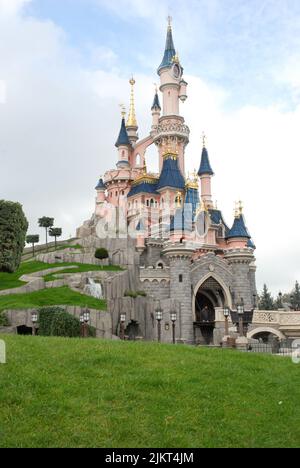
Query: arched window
[[220, 232], [180, 278], [148, 203], [160, 265], [151, 202], [123, 193], [123, 154]]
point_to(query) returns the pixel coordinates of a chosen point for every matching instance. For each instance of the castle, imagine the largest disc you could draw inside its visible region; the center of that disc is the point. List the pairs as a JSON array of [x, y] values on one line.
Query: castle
[[165, 228]]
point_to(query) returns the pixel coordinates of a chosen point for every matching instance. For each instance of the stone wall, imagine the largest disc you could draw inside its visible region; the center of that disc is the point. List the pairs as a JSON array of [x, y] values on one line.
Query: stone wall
[[101, 320]]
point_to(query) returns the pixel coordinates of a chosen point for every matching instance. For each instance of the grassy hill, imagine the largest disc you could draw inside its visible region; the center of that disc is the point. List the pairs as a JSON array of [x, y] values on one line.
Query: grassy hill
[[89, 393]]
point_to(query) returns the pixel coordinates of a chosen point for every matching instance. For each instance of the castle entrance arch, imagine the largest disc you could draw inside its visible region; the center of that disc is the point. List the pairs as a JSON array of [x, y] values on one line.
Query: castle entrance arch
[[208, 295]]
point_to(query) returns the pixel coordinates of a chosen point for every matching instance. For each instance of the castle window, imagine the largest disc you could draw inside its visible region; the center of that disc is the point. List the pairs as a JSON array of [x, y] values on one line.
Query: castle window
[[152, 202], [116, 194], [148, 203], [160, 265], [180, 278], [220, 232], [123, 193]]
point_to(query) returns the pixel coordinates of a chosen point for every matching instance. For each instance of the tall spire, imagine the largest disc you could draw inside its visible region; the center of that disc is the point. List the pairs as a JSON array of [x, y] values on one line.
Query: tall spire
[[170, 51], [132, 122], [205, 167]]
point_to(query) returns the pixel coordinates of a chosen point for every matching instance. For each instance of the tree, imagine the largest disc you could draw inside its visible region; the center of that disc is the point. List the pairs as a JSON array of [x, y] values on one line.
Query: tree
[[279, 301], [266, 301], [101, 254], [13, 229], [55, 232], [33, 239], [46, 223], [295, 297]]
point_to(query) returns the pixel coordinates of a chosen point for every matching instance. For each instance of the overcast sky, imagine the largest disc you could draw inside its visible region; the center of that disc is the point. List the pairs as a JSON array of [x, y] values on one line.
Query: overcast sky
[[64, 70]]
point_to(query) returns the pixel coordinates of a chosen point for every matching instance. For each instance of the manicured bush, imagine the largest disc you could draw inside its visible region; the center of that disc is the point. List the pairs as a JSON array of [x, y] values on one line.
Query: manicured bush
[[101, 254], [13, 229], [135, 294], [55, 321], [4, 322]]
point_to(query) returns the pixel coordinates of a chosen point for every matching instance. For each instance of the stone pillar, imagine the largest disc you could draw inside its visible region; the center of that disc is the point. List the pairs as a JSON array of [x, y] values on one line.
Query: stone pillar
[[180, 287]]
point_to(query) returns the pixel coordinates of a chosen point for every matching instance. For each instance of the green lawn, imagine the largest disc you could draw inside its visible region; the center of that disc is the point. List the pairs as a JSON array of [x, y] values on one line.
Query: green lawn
[[90, 393], [10, 281], [48, 297]]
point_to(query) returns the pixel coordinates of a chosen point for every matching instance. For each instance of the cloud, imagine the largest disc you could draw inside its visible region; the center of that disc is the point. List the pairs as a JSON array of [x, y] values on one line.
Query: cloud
[[60, 120], [12, 7]]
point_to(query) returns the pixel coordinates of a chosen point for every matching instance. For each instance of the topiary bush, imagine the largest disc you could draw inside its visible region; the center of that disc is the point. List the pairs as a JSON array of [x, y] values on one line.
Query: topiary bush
[[4, 322], [55, 321], [135, 294], [101, 254], [13, 229]]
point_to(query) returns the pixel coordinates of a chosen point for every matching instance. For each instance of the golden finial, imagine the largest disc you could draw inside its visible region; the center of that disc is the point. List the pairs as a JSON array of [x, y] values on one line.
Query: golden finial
[[132, 122], [203, 206], [123, 110], [170, 19], [237, 209], [204, 139], [216, 205], [195, 175], [178, 200], [240, 207], [156, 87]]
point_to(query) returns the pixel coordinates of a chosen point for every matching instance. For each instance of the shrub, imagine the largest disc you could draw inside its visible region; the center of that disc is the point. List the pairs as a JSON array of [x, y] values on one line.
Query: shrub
[[55, 321], [135, 294], [101, 254], [4, 322], [13, 229]]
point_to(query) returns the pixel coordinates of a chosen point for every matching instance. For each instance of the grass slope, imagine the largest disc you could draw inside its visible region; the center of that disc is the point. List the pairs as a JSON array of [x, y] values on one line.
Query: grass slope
[[10, 281], [89, 393], [48, 297]]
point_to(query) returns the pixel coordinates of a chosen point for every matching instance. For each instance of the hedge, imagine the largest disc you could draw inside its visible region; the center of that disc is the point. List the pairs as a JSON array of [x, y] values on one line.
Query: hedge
[[13, 229], [4, 322], [55, 321], [101, 254]]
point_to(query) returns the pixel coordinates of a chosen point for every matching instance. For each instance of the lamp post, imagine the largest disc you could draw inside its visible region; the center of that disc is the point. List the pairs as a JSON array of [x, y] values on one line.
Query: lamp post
[[174, 319], [226, 313], [122, 326], [81, 318], [84, 320], [159, 317], [34, 319], [240, 311]]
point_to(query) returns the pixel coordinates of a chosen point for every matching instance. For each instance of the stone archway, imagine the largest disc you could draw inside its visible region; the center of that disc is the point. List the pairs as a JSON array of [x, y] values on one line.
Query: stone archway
[[223, 298], [265, 330]]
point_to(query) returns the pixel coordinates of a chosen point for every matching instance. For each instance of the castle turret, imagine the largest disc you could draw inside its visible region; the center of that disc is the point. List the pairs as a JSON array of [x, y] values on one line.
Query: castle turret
[[156, 110], [171, 184], [101, 198], [123, 144], [206, 173], [238, 236], [132, 126]]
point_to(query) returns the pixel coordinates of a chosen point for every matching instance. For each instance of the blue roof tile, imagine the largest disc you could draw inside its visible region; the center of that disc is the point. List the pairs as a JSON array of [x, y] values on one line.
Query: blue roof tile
[[238, 229], [143, 187], [156, 103], [100, 185], [217, 218], [170, 51], [123, 139], [192, 198], [170, 175], [205, 167]]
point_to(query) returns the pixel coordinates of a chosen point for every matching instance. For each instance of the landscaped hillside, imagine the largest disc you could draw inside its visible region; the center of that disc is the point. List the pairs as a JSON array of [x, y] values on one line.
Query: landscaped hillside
[[89, 393]]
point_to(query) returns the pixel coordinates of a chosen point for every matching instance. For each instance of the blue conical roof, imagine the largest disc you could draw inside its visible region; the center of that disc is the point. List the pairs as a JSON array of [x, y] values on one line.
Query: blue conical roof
[[170, 175], [123, 139], [170, 51], [239, 229], [205, 167], [156, 103], [100, 185]]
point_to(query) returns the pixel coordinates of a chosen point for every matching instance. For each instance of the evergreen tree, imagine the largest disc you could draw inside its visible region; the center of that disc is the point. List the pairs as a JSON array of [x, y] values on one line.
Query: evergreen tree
[[55, 232], [266, 301], [295, 297], [35, 239], [13, 228], [46, 223], [279, 301]]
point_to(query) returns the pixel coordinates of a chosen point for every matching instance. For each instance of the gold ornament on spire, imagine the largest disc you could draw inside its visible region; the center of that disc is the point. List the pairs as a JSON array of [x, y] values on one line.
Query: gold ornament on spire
[[132, 122], [204, 139], [170, 19], [238, 211], [123, 110]]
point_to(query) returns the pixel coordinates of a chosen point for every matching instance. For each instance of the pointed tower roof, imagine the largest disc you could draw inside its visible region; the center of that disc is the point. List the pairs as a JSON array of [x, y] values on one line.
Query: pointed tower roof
[[156, 103], [205, 167], [170, 175], [170, 51], [132, 122], [101, 185], [123, 139], [239, 228]]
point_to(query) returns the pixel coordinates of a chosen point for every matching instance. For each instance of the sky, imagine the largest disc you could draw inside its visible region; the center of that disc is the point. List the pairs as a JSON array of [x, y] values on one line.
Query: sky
[[64, 70]]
